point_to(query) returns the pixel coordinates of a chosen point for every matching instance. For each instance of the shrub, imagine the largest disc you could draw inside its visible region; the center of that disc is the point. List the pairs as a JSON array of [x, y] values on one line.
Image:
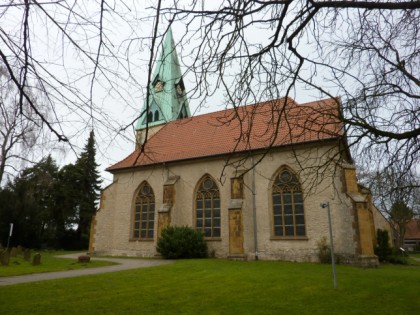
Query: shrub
[[181, 242], [398, 260], [382, 249], [324, 252]]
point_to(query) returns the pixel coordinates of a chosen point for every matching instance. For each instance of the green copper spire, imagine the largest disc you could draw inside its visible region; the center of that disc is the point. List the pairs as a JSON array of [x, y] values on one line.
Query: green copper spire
[[168, 100]]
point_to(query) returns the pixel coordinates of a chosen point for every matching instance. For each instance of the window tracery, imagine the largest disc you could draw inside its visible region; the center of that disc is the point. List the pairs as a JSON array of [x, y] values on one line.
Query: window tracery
[[208, 208], [144, 213], [288, 211]]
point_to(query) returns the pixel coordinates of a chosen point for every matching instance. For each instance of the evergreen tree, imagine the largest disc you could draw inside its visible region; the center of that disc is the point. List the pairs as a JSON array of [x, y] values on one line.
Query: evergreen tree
[[89, 186], [28, 203], [7, 200], [45, 204], [66, 206], [382, 249]]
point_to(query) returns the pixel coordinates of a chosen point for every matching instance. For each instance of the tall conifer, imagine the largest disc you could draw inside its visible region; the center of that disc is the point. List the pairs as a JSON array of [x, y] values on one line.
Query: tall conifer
[[89, 184]]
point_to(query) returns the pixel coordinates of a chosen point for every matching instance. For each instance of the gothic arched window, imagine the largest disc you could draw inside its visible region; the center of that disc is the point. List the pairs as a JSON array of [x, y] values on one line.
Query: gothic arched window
[[144, 213], [156, 115], [208, 208], [288, 213]]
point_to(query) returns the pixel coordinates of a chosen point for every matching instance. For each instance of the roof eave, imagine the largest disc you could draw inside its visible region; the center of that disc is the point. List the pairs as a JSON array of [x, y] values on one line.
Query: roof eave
[[122, 169]]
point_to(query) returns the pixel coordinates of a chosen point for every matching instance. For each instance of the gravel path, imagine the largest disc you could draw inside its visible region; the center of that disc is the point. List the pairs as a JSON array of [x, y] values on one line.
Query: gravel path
[[122, 264]]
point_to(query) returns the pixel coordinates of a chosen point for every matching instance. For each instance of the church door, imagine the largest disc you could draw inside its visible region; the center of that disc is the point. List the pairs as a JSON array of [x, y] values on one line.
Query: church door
[[236, 235]]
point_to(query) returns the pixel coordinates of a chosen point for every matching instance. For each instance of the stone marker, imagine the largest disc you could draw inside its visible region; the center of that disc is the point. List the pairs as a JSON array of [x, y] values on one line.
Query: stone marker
[[19, 250], [5, 257], [83, 259], [37, 260], [13, 252], [27, 254]]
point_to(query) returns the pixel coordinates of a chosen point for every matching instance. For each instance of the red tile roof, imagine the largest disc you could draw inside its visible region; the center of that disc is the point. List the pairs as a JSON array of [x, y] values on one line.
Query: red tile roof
[[242, 129], [412, 229]]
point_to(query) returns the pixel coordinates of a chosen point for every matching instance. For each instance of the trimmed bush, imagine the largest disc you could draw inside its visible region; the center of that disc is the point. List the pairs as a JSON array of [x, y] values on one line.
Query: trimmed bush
[[385, 253], [181, 242], [382, 249]]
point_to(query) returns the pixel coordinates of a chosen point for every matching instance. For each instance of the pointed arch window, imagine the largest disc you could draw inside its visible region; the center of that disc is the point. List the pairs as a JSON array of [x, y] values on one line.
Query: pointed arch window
[[156, 115], [183, 112], [144, 213], [208, 208], [158, 84], [180, 87], [288, 212]]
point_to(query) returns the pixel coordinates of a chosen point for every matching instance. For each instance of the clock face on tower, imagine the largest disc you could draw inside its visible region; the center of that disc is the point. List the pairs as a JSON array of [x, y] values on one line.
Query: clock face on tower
[[159, 86], [168, 99]]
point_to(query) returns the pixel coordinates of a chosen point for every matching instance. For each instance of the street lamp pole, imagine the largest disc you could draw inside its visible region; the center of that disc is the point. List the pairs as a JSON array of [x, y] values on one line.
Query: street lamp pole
[[10, 234], [323, 206]]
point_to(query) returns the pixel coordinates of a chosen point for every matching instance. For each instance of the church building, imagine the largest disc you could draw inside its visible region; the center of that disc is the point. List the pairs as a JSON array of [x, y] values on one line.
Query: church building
[[251, 179]]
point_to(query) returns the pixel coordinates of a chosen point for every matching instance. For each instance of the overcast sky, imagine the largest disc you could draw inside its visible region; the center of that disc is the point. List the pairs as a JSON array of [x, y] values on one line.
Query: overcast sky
[[118, 94]]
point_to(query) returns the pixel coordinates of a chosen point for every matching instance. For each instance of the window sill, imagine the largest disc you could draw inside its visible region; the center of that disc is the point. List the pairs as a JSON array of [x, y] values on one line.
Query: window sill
[[141, 240], [289, 238], [215, 239]]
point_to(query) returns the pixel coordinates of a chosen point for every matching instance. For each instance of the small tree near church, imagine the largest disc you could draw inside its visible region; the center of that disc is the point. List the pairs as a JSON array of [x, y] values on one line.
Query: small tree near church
[[89, 185], [401, 214]]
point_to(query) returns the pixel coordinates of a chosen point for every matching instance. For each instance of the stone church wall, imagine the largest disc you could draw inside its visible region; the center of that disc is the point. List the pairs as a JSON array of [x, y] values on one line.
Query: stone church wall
[[114, 219], [104, 222]]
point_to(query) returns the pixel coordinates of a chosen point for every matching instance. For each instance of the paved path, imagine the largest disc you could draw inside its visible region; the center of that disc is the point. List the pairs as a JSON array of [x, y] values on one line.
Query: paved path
[[122, 264]]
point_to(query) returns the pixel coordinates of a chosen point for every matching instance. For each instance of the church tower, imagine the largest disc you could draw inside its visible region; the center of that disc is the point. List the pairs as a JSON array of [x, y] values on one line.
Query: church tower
[[168, 99]]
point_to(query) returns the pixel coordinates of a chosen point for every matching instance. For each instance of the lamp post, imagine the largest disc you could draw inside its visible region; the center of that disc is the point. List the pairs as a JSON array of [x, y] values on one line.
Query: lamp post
[[10, 234], [323, 206]]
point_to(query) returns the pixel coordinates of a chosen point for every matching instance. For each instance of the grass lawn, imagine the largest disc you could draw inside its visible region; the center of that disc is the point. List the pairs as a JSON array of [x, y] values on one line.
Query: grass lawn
[[414, 259], [18, 266], [213, 286], [416, 255]]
